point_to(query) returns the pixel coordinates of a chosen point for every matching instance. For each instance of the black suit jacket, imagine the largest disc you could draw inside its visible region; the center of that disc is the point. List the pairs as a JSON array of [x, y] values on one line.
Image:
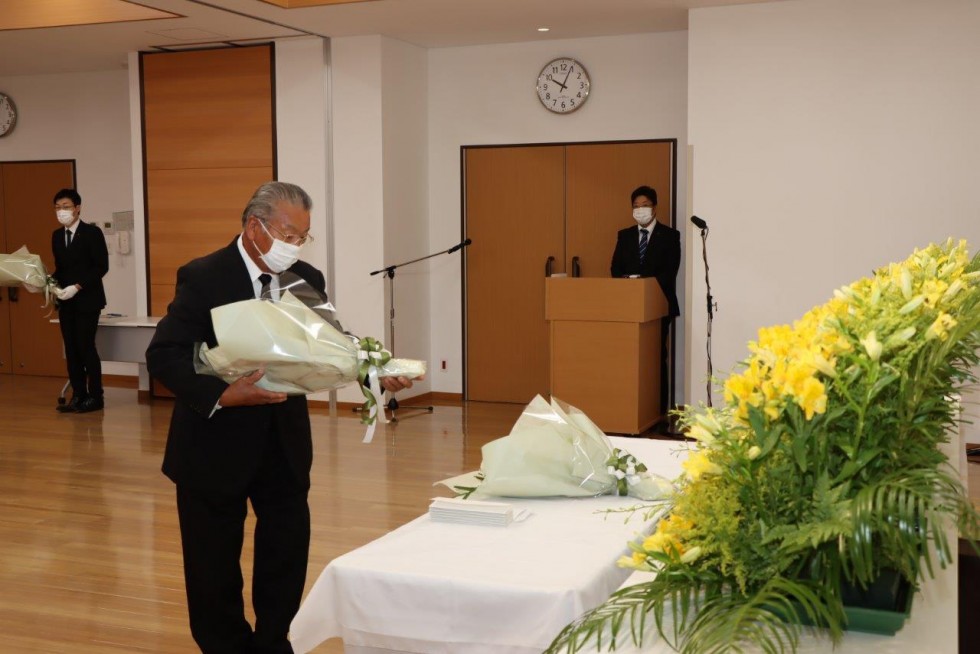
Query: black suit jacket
[[662, 259], [85, 262], [220, 453]]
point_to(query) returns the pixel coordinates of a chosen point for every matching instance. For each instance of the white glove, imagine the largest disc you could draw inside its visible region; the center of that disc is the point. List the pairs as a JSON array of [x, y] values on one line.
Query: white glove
[[30, 288], [66, 293]]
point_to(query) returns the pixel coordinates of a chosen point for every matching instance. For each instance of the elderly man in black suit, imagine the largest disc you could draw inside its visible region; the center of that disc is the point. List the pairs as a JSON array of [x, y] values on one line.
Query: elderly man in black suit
[[651, 249], [81, 260], [231, 444]]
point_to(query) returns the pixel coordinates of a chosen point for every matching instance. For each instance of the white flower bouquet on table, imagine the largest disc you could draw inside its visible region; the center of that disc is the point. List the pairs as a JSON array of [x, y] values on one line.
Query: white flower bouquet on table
[[23, 268], [555, 450], [302, 347]]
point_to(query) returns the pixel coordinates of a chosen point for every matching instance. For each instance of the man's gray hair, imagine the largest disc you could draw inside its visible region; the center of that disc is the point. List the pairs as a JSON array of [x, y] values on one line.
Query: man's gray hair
[[269, 195]]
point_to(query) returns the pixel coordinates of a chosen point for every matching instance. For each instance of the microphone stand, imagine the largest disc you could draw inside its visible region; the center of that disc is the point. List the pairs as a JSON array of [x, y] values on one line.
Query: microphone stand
[[711, 303], [389, 272]]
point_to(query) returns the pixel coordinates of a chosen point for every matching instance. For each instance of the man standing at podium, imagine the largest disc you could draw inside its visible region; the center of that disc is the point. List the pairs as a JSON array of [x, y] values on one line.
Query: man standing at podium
[[651, 249]]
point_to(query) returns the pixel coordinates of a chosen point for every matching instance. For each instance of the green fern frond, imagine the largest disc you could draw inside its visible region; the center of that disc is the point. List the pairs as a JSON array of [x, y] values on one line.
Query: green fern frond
[[905, 512], [769, 619], [671, 599]]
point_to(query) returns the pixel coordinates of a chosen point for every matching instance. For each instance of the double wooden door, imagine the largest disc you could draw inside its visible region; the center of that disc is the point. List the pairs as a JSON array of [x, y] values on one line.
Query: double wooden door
[[30, 344], [529, 209]]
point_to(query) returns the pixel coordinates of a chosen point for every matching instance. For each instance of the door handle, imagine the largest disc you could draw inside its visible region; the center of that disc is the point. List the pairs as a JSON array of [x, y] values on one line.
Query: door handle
[[576, 268], [548, 265], [12, 293]]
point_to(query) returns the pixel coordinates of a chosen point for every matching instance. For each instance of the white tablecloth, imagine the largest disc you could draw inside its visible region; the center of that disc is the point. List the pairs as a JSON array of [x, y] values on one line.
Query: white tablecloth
[[435, 588], [459, 589]]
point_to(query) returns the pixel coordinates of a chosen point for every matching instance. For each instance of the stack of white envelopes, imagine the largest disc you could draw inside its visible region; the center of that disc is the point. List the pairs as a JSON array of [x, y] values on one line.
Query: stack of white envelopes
[[475, 512]]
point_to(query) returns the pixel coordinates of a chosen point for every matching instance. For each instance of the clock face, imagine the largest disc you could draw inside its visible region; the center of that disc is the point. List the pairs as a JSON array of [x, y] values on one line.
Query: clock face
[[563, 85], [8, 114]]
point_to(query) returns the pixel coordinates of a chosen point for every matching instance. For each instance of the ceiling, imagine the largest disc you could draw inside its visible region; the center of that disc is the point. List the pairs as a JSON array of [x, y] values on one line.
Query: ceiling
[[148, 25]]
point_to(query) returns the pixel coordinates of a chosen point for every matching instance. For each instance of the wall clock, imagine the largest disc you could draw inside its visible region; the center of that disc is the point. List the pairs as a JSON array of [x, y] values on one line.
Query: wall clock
[[8, 114], [563, 85]]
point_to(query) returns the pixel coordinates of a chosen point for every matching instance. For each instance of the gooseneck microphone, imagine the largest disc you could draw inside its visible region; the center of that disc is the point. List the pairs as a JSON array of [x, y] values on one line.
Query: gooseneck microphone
[[699, 223]]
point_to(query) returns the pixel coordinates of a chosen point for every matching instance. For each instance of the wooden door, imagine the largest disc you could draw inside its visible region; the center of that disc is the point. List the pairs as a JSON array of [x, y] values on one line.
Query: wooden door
[[515, 215], [599, 180], [5, 294], [210, 142], [36, 344]]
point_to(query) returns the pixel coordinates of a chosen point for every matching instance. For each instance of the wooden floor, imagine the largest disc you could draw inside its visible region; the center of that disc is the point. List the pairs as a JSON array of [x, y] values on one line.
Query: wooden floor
[[89, 548]]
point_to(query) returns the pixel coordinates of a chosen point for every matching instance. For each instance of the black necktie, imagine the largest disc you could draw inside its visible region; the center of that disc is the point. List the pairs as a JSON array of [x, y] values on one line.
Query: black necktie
[[643, 243], [67, 237], [265, 279]]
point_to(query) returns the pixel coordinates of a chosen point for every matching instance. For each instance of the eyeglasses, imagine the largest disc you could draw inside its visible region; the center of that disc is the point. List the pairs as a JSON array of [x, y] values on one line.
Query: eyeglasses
[[292, 239], [61, 207]]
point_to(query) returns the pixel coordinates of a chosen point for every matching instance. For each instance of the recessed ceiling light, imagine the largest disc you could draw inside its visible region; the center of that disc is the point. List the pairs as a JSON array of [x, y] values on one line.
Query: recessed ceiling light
[[544, 29]]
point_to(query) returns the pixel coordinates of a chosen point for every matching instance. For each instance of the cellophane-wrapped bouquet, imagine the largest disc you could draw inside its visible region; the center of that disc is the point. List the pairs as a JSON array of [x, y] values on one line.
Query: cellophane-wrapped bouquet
[[555, 450], [299, 342], [23, 268]]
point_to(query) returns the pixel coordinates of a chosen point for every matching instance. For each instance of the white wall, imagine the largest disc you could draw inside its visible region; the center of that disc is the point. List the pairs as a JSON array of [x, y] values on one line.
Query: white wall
[[358, 206], [829, 137], [485, 95], [82, 116], [404, 79], [380, 208], [302, 112], [303, 142]]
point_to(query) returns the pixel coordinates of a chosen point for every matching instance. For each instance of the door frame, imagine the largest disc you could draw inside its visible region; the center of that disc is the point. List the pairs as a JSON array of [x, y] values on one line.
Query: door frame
[[73, 164], [462, 231]]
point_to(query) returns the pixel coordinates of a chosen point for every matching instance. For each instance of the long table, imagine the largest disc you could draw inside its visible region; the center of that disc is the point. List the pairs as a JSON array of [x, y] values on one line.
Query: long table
[[124, 338], [463, 589], [436, 588]]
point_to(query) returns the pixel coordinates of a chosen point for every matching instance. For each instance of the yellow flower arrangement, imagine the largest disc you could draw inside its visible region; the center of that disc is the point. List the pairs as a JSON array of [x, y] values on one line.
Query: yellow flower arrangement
[[822, 468]]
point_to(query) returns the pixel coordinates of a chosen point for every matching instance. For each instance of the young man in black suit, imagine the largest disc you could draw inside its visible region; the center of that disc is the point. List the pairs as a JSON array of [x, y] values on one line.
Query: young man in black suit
[[230, 444], [651, 249], [81, 260]]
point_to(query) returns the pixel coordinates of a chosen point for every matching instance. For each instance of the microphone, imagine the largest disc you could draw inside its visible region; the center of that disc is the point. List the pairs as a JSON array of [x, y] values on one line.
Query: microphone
[[699, 223], [460, 246]]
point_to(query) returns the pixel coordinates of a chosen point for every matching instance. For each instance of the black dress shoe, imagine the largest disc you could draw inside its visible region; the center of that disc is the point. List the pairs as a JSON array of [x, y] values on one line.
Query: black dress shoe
[[71, 406], [90, 404]]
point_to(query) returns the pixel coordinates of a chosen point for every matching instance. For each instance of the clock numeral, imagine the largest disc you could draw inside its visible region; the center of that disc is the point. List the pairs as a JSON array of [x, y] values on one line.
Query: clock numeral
[[578, 95], [581, 85], [547, 96]]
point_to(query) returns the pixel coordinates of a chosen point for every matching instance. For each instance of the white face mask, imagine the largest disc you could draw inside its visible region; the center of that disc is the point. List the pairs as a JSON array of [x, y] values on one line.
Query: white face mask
[[643, 215], [65, 216], [281, 255]]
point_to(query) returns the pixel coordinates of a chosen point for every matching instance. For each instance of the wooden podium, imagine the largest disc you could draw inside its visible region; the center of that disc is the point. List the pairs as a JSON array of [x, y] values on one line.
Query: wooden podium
[[605, 348]]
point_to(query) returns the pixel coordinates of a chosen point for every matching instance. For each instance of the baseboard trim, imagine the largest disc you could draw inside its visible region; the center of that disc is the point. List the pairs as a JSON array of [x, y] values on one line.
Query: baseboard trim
[[121, 381], [437, 398]]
